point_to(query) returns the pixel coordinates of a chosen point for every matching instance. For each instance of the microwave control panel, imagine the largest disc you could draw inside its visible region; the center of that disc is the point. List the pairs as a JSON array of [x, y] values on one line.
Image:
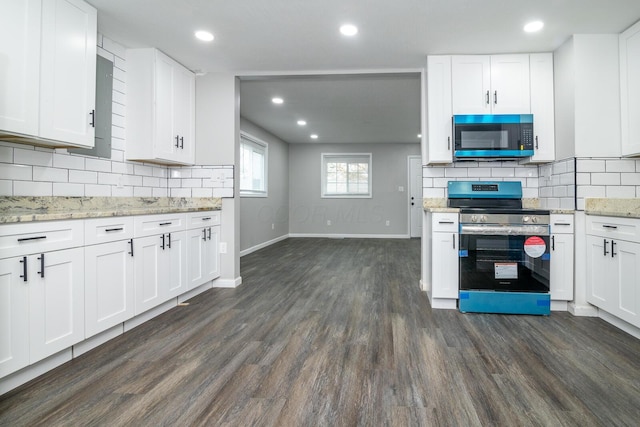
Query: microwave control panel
[[527, 136]]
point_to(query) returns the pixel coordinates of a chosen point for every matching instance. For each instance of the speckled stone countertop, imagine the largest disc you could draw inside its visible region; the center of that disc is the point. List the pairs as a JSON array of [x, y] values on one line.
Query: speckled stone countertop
[[628, 208], [26, 209]]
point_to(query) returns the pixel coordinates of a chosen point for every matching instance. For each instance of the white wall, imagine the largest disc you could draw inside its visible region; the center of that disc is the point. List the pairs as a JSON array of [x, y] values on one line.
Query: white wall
[[266, 219], [309, 212]]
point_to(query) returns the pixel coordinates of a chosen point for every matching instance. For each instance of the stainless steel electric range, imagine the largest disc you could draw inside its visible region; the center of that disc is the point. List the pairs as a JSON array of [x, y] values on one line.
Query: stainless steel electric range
[[504, 249]]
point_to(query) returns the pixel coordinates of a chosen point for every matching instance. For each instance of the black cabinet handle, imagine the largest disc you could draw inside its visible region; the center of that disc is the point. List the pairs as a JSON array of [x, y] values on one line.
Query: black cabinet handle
[[177, 141], [612, 227], [454, 240], [209, 233], [93, 118], [182, 142], [23, 261], [448, 143], [613, 248], [109, 230], [536, 142], [487, 97], [169, 241], [605, 247], [553, 243], [495, 97], [164, 223], [207, 218], [162, 237], [25, 239], [41, 272], [131, 243], [445, 222], [204, 234]]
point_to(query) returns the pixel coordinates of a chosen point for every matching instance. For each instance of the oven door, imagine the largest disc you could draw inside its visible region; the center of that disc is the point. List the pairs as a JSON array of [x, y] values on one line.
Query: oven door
[[504, 258]]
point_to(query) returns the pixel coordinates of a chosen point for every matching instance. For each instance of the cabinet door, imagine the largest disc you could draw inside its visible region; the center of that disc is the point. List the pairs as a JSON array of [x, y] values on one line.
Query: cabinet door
[[212, 263], [196, 241], [150, 269], [561, 276], [542, 107], [109, 292], [56, 301], [68, 71], [183, 112], [445, 265], [627, 259], [510, 84], [176, 259], [439, 112], [630, 90], [602, 274], [471, 84], [14, 316], [20, 52], [166, 136]]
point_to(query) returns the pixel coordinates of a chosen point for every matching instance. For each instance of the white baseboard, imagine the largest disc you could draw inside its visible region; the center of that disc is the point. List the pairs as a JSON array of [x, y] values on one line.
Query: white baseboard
[[351, 236], [619, 323], [559, 305], [30, 372], [97, 340], [263, 245], [150, 314], [582, 310], [193, 292], [227, 283]]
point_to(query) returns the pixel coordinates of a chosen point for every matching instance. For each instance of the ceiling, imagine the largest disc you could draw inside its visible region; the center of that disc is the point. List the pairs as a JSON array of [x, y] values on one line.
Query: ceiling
[[254, 37]]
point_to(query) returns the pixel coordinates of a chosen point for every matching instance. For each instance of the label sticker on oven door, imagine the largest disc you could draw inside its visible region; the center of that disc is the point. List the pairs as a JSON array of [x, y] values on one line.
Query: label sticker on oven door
[[534, 246], [506, 270]]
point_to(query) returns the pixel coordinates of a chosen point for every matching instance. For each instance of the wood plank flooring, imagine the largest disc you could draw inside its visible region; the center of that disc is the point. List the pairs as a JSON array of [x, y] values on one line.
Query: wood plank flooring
[[327, 332]]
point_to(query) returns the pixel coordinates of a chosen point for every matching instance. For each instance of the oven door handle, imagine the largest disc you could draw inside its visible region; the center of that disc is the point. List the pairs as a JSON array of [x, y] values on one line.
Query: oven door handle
[[505, 230]]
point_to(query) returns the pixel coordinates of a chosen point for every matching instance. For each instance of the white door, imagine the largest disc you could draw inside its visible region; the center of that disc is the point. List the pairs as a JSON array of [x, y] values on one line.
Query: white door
[[415, 196]]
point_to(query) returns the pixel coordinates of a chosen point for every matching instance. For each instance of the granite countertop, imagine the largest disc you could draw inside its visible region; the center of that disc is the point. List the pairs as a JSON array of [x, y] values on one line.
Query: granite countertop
[[440, 205], [27, 209], [626, 208]]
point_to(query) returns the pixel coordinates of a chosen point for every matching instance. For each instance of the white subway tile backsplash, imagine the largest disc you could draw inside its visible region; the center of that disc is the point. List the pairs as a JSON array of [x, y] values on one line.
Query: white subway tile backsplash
[[588, 165], [143, 192], [583, 178], [109, 178], [160, 192], [591, 191], [630, 178], [605, 178], [567, 203], [192, 183], [18, 172], [228, 192], [432, 192], [33, 188], [503, 172], [67, 161], [201, 173], [427, 182], [622, 165], [202, 192], [143, 170], [118, 167], [92, 190], [122, 192], [98, 165], [83, 177], [621, 191], [32, 157], [180, 192], [6, 154], [432, 172], [150, 181], [50, 174], [61, 189], [482, 172], [160, 172], [6, 187], [456, 173]]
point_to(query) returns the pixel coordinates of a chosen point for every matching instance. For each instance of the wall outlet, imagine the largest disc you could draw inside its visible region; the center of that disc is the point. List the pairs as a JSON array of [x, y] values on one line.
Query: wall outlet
[[401, 189], [273, 226], [388, 223], [223, 247], [328, 222]]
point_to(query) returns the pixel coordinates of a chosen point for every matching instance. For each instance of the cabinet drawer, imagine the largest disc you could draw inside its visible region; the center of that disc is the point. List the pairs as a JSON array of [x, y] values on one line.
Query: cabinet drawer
[[614, 227], [104, 230], [149, 225], [561, 224], [202, 219], [33, 237], [445, 222]]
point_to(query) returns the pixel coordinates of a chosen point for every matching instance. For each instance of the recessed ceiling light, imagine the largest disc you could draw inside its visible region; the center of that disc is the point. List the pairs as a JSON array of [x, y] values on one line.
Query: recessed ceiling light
[[349, 30], [277, 100], [314, 136], [302, 122], [205, 36], [533, 26]]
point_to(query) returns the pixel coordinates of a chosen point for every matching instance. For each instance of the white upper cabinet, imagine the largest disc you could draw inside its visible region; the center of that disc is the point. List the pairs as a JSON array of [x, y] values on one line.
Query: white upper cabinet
[[48, 72], [160, 109], [496, 84], [542, 108], [630, 90], [439, 148]]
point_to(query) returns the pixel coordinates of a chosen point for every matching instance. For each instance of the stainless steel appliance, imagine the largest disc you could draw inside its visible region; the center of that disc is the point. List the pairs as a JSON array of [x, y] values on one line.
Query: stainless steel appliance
[[493, 135], [504, 251]]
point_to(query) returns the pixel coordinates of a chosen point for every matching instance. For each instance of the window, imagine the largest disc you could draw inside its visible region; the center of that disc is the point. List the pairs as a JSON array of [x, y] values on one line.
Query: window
[[346, 175], [253, 166]]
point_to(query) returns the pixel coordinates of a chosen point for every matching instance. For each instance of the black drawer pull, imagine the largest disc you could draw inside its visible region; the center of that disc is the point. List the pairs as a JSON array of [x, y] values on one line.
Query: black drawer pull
[[24, 239], [165, 223], [41, 272], [445, 222], [613, 227], [561, 223], [207, 218], [23, 261], [109, 230]]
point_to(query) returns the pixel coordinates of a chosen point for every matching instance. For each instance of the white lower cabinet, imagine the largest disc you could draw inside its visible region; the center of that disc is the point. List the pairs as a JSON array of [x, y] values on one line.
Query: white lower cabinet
[[613, 262], [42, 305], [203, 241], [441, 257], [562, 252], [109, 284]]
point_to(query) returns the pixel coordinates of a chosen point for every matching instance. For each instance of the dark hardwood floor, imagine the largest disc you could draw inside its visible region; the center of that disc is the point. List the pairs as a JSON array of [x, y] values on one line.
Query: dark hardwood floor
[[336, 333]]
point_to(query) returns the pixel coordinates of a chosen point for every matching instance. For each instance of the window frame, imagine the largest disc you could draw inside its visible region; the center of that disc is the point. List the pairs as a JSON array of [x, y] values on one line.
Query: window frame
[[324, 157], [254, 143]]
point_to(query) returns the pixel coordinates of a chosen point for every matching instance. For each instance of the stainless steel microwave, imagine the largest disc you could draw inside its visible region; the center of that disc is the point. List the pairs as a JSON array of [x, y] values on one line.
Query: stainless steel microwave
[[492, 135]]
